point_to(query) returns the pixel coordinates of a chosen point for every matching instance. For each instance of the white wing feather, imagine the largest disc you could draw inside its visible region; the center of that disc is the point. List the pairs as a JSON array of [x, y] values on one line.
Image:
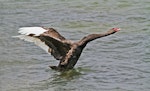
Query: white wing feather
[[37, 41], [25, 31], [32, 30]]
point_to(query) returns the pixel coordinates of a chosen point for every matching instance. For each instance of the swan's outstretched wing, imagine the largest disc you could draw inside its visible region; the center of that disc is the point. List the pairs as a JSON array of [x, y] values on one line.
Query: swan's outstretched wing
[[47, 38]]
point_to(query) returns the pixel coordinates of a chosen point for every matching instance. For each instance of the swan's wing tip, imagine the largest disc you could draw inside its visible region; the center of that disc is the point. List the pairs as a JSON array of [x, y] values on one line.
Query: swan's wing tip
[[36, 31]]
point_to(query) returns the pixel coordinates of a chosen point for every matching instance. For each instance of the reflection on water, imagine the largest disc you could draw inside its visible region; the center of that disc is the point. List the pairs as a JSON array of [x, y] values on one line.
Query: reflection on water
[[69, 74], [58, 79], [118, 62]]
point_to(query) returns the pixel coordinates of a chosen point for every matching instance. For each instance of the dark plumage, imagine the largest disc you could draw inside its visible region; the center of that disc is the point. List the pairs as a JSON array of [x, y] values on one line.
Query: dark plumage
[[67, 51]]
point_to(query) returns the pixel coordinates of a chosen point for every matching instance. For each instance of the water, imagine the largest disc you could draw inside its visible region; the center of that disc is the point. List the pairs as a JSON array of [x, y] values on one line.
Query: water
[[120, 62]]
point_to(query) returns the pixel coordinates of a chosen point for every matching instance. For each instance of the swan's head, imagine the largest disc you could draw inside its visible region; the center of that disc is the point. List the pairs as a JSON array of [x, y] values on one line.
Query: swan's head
[[116, 29]]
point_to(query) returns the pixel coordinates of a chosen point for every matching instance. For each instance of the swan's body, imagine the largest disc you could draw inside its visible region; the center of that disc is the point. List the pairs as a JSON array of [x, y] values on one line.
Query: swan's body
[[67, 51]]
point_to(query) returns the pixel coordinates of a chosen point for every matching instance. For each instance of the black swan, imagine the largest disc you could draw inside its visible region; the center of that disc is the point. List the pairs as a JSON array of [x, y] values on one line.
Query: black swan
[[67, 51]]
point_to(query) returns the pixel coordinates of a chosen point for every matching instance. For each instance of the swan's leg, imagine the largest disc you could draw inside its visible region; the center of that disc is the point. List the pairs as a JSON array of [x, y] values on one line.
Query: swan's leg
[[54, 67]]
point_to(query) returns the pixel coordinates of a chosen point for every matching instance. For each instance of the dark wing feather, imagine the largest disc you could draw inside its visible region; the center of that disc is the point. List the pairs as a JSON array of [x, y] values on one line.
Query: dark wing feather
[[58, 47], [54, 34], [46, 38]]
